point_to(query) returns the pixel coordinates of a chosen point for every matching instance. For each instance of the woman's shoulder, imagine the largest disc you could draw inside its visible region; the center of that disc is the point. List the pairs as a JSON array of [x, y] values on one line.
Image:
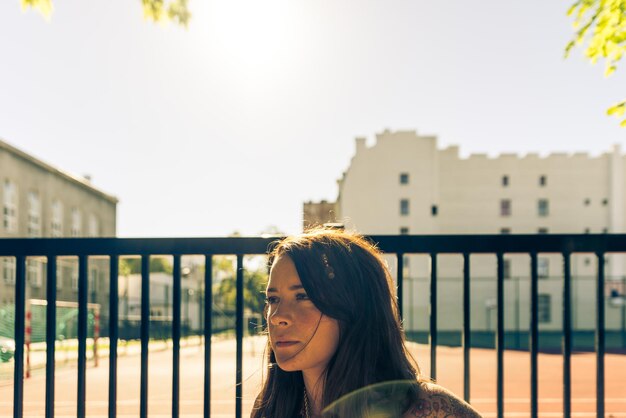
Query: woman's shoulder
[[435, 401]]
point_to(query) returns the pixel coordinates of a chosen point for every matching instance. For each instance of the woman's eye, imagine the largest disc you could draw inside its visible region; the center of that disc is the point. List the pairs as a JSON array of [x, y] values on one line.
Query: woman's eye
[[271, 299], [302, 296]]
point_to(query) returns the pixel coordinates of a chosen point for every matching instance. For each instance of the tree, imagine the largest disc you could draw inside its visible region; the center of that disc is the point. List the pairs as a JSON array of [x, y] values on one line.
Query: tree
[[254, 281], [130, 266], [156, 10], [602, 25], [253, 291]]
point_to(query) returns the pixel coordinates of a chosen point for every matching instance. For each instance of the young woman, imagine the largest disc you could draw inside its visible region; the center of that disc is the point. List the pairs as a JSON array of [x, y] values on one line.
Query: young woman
[[336, 347]]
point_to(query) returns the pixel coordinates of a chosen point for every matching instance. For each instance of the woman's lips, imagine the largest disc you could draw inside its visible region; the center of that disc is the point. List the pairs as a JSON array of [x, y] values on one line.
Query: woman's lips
[[284, 344]]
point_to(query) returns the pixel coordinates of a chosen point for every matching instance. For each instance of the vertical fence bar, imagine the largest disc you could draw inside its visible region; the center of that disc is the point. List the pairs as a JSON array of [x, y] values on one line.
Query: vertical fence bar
[[567, 336], [82, 334], [208, 317], [466, 327], [600, 338], [534, 335], [51, 297], [113, 333], [176, 339], [20, 307], [239, 325], [433, 316], [400, 279], [145, 334], [500, 336]]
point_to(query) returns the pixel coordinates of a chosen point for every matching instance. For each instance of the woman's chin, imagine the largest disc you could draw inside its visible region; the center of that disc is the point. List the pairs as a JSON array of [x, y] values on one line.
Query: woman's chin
[[287, 366]]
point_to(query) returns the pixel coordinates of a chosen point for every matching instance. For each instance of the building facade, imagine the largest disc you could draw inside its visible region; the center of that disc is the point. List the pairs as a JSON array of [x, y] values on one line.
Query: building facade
[[405, 184], [39, 200], [318, 213]]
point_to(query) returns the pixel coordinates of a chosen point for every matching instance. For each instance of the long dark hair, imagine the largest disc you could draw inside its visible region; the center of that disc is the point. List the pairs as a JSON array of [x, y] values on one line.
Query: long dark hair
[[346, 278]]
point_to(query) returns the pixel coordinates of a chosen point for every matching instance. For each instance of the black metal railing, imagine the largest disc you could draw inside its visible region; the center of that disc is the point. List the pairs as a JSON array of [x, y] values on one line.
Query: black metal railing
[[466, 245]]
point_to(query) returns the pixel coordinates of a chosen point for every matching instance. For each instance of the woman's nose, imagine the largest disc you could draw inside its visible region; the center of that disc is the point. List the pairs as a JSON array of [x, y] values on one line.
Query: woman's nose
[[280, 315]]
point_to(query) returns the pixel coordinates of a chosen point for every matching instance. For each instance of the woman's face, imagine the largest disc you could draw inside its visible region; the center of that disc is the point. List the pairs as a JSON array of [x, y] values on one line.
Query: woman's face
[[301, 336]]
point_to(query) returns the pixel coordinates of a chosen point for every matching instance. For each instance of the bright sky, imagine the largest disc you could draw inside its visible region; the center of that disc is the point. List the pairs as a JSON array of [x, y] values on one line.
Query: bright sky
[[233, 123]]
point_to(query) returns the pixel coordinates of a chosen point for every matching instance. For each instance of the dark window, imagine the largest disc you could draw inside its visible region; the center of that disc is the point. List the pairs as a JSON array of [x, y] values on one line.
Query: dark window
[[605, 202], [587, 230], [605, 230], [404, 207], [404, 230], [505, 230], [544, 303], [433, 210], [543, 267], [543, 207], [507, 268], [542, 231], [543, 180], [505, 207], [505, 181], [404, 178], [587, 202]]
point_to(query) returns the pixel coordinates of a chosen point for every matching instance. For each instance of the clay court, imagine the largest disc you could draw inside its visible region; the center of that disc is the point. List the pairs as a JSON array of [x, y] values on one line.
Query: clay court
[[450, 374]]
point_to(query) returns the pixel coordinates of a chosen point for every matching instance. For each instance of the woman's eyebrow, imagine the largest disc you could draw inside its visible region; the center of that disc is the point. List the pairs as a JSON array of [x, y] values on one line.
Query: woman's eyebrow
[[294, 287]]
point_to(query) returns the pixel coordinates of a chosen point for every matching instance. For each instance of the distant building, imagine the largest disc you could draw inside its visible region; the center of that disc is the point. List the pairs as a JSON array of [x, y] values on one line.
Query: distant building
[[318, 213], [39, 200], [405, 184], [162, 298]]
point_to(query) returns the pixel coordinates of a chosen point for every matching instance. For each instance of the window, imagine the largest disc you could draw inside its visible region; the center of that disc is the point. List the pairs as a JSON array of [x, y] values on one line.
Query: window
[[34, 215], [543, 207], [8, 270], [605, 202], [59, 277], [33, 273], [65, 268], [76, 220], [605, 230], [587, 230], [543, 181], [544, 308], [542, 230], [543, 267], [404, 207], [505, 230], [56, 223], [93, 277], [93, 226], [505, 207], [9, 207], [587, 202], [404, 230], [404, 178], [406, 260], [507, 268], [505, 181], [74, 275], [434, 210]]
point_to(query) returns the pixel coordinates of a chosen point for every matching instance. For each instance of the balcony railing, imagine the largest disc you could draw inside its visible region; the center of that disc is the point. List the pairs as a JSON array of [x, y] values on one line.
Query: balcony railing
[[465, 245]]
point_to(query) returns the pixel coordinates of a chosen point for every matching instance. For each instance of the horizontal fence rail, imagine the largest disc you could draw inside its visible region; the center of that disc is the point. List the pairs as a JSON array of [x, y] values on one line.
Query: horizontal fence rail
[[432, 246]]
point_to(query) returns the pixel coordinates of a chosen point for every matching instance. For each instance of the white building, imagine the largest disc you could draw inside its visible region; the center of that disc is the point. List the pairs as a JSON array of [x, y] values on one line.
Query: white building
[[405, 184]]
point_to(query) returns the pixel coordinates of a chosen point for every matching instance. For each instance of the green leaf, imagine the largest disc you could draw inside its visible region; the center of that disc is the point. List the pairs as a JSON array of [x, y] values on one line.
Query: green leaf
[[609, 70], [44, 7], [617, 110]]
